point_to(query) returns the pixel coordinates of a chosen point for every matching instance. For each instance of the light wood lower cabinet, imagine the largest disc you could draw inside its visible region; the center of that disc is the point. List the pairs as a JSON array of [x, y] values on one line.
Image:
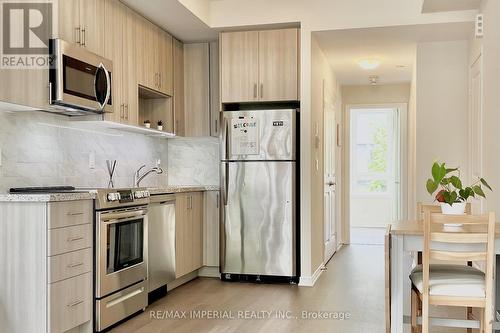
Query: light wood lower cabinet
[[47, 255], [188, 232], [211, 229]]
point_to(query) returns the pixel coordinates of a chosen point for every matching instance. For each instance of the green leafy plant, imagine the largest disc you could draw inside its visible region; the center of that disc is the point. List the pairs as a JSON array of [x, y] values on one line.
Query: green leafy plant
[[450, 186]]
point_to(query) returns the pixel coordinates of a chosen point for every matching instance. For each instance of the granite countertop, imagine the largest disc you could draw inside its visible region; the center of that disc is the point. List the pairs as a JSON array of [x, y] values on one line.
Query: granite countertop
[[71, 196], [182, 188], [45, 197]]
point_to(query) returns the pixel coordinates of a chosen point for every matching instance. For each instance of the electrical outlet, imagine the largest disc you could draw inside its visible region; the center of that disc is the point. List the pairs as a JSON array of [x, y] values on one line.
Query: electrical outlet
[[158, 162], [92, 160]]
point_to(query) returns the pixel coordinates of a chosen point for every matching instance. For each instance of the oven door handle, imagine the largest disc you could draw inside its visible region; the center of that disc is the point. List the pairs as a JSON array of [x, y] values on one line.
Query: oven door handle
[[122, 217]]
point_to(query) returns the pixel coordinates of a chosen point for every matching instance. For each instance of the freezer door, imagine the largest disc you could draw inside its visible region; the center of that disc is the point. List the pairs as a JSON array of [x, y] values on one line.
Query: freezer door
[[259, 135], [258, 224]]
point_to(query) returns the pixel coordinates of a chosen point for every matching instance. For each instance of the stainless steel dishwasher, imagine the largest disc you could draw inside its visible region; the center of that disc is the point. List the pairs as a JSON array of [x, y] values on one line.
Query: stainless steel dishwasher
[[161, 243]]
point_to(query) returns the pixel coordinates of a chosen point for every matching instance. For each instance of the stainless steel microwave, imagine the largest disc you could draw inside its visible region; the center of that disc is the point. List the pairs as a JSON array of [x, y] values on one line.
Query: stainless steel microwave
[[79, 80]]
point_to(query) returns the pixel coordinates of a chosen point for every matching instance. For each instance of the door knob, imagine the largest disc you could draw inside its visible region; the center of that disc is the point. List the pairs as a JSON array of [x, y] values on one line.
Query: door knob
[[331, 183]]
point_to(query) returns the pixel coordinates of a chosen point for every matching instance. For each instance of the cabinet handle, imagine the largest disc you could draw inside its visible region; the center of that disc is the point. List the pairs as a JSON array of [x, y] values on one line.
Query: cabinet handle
[[74, 239], [70, 305], [216, 126], [77, 35], [122, 110], [156, 79], [262, 90], [160, 81], [217, 200], [126, 113], [75, 265], [255, 90], [74, 214], [84, 39], [190, 202]]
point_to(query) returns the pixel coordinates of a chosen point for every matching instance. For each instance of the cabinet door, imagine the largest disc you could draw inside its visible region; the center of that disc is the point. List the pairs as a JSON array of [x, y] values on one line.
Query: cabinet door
[[151, 56], [182, 243], [239, 65], [141, 50], [178, 52], [278, 65], [91, 25], [130, 86], [69, 21], [211, 229], [196, 215], [166, 80], [214, 90], [196, 89], [113, 44]]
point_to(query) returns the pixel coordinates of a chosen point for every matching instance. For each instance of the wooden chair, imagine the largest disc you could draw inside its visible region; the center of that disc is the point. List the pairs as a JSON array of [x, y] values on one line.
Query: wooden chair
[[455, 285], [387, 254]]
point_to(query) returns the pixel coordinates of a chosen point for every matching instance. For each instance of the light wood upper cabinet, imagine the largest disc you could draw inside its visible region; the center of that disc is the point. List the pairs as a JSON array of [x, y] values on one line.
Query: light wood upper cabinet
[[178, 60], [188, 232], [196, 90], [165, 62], [259, 66], [215, 106], [81, 22], [278, 65], [239, 66]]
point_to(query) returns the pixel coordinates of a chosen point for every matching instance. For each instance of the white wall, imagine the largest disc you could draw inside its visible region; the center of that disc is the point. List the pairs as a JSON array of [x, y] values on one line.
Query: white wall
[[442, 109], [491, 100], [379, 94], [412, 142]]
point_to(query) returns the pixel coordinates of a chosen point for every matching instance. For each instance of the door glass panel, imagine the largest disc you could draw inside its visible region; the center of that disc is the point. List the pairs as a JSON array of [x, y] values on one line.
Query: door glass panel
[[124, 245], [374, 163]]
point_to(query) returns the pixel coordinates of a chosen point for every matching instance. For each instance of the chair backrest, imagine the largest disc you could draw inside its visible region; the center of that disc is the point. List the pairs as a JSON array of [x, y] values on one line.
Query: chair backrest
[[422, 208], [474, 229]]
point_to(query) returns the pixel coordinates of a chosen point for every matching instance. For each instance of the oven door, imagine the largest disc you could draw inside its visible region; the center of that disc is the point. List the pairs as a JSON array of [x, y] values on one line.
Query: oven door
[[121, 246], [80, 79]]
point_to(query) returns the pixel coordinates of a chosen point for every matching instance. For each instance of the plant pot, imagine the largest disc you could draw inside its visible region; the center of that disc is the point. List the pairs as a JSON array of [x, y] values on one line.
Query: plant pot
[[147, 125], [457, 208]]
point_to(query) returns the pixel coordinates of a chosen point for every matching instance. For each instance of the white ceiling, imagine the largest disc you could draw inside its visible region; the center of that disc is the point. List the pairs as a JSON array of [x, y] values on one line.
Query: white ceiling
[[393, 46], [433, 6], [172, 16]]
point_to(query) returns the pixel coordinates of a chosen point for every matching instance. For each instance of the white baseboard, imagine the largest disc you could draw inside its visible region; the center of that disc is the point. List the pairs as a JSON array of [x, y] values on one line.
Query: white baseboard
[[209, 271], [309, 281]]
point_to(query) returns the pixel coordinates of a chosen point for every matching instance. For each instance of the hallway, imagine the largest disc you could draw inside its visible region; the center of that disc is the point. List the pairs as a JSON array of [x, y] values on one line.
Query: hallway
[[352, 285]]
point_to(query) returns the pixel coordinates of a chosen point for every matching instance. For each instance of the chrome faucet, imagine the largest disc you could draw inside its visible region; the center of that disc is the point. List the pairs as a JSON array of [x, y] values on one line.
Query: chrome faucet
[[138, 177]]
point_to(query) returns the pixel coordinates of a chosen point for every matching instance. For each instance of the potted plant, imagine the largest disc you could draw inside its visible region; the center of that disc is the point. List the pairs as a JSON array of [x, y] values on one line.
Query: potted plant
[[451, 193], [160, 125], [147, 123]]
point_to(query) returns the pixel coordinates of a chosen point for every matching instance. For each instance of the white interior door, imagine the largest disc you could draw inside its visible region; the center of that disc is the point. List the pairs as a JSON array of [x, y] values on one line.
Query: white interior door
[[476, 142], [375, 172], [330, 228]]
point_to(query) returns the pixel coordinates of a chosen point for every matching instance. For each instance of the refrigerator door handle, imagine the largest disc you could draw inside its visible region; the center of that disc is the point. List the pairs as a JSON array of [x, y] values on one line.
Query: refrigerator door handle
[[225, 179]]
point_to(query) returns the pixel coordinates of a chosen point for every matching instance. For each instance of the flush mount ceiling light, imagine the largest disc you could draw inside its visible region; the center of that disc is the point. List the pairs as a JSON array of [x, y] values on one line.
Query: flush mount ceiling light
[[368, 63]]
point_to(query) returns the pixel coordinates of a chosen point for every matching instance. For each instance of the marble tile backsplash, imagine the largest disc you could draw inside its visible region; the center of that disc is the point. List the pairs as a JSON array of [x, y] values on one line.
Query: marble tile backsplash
[[193, 161], [42, 149]]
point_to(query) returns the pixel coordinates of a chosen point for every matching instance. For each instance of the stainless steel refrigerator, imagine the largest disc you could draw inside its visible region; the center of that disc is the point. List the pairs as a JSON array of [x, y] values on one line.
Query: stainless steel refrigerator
[[258, 191]]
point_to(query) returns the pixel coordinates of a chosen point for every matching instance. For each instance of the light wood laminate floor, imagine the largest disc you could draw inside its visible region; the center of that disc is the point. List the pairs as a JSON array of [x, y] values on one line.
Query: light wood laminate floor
[[353, 283]]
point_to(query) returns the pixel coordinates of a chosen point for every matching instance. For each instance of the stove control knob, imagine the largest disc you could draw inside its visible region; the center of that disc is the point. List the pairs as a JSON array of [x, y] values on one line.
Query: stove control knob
[[139, 194], [113, 197]]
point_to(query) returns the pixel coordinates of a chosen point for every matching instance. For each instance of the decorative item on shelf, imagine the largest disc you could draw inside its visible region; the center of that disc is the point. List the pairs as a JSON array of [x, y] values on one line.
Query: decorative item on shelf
[[160, 125], [451, 193], [147, 124]]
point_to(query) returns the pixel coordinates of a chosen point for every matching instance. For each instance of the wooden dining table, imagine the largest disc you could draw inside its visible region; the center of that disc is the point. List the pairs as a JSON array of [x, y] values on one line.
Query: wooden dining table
[[406, 238]]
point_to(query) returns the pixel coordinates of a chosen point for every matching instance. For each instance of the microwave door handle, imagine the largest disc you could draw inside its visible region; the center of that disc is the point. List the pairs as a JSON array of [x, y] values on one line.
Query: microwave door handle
[[108, 87]]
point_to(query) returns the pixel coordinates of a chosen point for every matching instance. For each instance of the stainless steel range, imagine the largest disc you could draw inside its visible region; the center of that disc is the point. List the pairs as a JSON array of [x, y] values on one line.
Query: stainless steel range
[[120, 254]]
